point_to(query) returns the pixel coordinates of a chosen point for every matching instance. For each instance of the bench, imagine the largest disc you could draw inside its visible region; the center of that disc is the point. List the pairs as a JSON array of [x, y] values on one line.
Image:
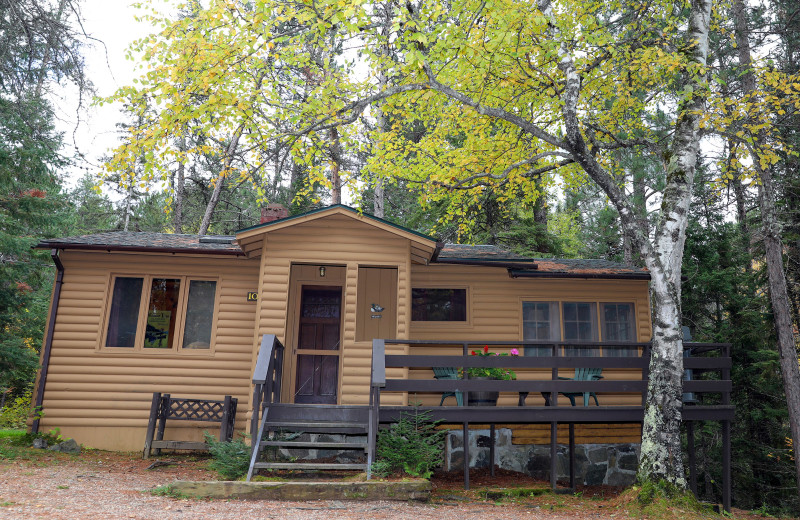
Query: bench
[[164, 407]]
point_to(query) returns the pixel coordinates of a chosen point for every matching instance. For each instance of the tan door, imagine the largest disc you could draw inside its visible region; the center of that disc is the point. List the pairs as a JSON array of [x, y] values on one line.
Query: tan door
[[318, 345], [376, 313]]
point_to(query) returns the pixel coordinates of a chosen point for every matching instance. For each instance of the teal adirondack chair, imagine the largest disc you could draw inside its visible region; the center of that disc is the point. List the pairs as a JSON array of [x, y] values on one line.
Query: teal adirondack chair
[[583, 374], [448, 373]]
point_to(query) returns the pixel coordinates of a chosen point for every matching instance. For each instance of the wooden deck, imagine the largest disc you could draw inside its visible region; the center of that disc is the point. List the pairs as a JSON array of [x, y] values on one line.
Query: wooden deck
[[707, 392]]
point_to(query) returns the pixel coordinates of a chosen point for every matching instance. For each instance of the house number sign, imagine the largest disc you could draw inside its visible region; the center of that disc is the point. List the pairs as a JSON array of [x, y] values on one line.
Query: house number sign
[[252, 296]]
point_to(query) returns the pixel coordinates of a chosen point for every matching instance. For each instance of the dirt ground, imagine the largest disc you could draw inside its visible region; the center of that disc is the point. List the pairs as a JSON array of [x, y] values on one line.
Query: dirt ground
[[104, 485]]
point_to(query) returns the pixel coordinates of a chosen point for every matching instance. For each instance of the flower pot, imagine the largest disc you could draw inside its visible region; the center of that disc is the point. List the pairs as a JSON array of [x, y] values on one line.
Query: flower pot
[[483, 398]]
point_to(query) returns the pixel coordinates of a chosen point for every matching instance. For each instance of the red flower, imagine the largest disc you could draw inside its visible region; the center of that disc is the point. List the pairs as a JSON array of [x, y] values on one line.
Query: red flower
[[474, 353], [486, 349]]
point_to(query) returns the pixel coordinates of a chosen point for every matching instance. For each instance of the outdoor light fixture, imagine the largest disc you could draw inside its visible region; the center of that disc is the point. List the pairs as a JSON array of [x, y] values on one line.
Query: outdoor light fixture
[[322, 271]]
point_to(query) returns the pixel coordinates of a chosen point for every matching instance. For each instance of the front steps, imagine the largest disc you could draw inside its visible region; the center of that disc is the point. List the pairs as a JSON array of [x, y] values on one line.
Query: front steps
[[308, 437]]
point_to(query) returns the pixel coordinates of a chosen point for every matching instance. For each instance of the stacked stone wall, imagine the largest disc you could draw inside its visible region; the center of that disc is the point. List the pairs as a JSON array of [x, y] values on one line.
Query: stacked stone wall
[[595, 464]]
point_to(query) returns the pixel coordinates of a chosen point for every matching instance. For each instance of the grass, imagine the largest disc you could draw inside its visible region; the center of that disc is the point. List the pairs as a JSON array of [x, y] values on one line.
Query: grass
[[167, 490], [15, 445], [12, 434]]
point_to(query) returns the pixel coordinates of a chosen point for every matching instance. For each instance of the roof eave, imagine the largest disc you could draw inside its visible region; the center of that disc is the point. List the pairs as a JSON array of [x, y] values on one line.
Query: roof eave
[[521, 273], [508, 264], [136, 249]]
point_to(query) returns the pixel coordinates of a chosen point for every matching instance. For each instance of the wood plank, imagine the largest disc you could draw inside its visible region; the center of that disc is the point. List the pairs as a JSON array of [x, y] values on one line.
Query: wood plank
[[179, 445]]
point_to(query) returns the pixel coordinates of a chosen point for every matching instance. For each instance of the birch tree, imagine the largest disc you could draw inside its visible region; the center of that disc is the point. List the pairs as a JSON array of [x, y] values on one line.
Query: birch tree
[[515, 97], [533, 89]]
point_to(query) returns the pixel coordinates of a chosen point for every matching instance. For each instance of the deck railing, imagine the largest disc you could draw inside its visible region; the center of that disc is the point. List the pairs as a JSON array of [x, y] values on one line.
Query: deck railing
[[709, 364]]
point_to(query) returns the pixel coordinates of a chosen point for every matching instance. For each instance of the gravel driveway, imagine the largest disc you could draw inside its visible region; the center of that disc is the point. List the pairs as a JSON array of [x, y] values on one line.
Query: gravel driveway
[[120, 489]]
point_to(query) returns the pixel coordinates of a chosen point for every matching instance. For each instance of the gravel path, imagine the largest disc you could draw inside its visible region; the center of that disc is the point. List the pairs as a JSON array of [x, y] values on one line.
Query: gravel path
[[84, 490]]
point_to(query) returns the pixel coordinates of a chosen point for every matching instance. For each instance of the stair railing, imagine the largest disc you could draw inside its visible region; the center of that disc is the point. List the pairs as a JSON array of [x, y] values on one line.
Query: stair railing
[[377, 381], [267, 390]]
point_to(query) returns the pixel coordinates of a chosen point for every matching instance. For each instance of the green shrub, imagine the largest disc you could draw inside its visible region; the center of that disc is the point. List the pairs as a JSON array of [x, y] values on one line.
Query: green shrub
[[413, 445], [15, 413], [230, 459]]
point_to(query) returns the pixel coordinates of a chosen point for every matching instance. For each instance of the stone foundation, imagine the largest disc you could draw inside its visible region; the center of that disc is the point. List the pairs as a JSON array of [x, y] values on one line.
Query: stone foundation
[[595, 464]]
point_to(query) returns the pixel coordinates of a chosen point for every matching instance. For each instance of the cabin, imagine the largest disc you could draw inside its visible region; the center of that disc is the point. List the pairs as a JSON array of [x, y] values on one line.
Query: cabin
[[353, 306]]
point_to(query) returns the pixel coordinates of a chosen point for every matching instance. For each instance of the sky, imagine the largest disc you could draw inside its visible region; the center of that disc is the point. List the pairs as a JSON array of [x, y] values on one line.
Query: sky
[[112, 26]]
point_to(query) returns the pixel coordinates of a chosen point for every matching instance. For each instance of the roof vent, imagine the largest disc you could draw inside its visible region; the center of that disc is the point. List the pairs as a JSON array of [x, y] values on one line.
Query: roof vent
[[216, 239]]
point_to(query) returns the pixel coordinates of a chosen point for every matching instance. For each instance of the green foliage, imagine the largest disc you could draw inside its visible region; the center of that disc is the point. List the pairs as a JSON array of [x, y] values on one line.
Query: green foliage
[[230, 459], [413, 445], [15, 413], [31, 207], [723, 302], [499, 373]]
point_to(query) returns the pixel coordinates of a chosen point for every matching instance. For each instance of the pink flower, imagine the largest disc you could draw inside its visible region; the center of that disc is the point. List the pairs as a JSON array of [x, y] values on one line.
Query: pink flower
[[514, 352]]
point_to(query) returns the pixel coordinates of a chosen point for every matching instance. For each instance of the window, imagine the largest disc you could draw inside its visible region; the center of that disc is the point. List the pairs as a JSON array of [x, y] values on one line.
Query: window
[[540, 321], [124, 314], [167, 314], [438, 304], [578, 322], [618, 328]]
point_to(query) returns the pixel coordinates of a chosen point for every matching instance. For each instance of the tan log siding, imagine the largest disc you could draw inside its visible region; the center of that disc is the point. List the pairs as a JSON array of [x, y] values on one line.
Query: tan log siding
[[335, 240], [495, 314], [91, 393]]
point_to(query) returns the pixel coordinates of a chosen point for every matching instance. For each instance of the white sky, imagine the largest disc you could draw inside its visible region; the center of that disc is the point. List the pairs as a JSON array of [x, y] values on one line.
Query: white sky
[[112, 23]]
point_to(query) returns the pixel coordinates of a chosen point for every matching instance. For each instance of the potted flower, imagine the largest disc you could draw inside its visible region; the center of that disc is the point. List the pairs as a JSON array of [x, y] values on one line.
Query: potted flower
[[488, 398]]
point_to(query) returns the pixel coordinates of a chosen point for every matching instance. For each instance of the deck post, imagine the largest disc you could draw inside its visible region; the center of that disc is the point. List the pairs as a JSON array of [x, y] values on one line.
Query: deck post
[[553, 455], [572, 456], [465, 429], [491, 449], [726, 466], [690, 447]]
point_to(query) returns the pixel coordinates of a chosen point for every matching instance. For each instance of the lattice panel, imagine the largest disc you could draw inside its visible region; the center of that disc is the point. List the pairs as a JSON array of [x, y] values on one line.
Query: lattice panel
[[196, 410]]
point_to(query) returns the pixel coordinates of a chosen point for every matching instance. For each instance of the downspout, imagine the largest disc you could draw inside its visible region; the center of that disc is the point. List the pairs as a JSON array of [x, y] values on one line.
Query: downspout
[[48, 344]]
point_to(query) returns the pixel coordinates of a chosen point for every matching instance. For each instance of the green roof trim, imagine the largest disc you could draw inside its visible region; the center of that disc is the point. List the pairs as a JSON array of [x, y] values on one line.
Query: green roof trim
[[348, 208]]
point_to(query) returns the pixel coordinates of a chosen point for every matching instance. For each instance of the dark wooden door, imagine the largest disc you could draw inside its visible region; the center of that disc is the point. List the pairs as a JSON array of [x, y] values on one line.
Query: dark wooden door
[[318, 345]]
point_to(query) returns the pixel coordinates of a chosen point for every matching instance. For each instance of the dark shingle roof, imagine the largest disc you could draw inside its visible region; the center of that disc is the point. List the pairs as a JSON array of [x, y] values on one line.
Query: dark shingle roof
[[554, 267], [144, 241], [580, 266], [481, 252]]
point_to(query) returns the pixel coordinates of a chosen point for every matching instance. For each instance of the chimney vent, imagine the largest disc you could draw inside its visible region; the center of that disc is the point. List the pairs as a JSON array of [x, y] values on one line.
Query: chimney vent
[[273, 212]]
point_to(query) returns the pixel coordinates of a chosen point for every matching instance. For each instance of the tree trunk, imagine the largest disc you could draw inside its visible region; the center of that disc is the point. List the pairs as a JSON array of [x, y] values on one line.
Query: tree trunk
[[781, 309], [179, 188], [128, 199], [212, 203], [336, 157]]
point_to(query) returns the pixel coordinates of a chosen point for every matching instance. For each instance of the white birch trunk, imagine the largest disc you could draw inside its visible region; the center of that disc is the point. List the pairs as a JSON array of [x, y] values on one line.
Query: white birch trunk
[[661, 455]]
